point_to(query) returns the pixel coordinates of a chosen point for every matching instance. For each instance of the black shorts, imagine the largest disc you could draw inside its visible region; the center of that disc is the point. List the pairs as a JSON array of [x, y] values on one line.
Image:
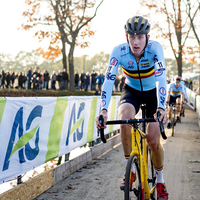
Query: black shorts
[[137, 98], [172, 100]]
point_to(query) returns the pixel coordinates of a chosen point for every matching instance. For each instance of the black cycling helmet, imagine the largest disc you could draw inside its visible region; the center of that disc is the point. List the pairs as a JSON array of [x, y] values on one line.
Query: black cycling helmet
[[178, 78], [137, 25]]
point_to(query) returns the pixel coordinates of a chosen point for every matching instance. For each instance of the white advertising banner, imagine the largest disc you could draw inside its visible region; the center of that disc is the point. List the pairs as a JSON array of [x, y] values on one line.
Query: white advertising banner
[[34, 130], [191, 98]]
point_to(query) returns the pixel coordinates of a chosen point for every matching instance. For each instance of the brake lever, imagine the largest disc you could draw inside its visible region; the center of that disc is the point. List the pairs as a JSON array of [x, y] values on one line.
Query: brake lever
[[101, 121]]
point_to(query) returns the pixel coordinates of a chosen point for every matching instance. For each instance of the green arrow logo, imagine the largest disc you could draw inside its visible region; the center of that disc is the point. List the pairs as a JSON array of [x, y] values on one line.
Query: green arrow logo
[[23, 140], [76, 125]]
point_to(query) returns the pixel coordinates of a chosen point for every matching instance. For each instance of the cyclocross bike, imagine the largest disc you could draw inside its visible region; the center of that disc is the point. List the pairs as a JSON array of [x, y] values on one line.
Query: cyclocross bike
[[144, 187]]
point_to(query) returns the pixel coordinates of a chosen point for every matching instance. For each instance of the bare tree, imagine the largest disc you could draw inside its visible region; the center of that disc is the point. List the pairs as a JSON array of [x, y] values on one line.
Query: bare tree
[[193, 10], [71, 17], [172, 24]]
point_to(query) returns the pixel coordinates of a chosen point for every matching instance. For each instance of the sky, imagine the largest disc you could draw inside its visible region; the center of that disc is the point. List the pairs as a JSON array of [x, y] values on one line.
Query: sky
[[108, 26]]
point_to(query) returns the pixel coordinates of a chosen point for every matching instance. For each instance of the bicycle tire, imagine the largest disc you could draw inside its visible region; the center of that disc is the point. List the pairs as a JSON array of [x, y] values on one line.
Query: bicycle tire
[[151, 174], [134, 191]]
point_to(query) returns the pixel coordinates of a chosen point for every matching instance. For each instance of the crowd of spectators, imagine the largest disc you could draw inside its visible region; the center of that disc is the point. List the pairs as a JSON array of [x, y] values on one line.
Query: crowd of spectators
[[36, 80]]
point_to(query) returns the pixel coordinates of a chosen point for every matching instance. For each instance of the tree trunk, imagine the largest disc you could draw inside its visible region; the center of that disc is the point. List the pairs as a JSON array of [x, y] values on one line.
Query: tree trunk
[[64, 60], [71, 67], [179, 39], [179, 64]]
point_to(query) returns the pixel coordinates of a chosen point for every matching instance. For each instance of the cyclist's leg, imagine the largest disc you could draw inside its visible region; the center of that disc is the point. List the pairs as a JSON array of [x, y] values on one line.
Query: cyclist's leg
[[157, 151], [127, 110]]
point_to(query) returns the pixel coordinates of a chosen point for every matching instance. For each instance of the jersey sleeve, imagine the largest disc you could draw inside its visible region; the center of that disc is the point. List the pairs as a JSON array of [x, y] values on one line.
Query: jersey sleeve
[[160, 75], [110, 78]]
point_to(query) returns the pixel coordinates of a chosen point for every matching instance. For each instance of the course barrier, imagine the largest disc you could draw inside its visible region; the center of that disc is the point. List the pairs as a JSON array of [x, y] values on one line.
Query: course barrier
[[36, 130]]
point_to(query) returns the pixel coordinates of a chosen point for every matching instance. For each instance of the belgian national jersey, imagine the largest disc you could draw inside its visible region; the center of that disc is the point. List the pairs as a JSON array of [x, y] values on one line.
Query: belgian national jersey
[[141, 75]]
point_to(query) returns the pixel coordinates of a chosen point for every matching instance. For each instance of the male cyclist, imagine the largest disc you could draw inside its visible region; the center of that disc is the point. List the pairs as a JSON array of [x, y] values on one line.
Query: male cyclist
[[143, 64], [175, 93]]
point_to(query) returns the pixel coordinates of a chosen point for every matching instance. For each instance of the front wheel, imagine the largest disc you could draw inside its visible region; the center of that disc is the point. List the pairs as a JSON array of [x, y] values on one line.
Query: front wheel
[[133, 190], [151, 174]]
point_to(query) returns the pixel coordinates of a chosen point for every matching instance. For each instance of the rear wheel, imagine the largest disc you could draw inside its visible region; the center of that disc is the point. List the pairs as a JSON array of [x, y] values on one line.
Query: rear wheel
[[133, 191]]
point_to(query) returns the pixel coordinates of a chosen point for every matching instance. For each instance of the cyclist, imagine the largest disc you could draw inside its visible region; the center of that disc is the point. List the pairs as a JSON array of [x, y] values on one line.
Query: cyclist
[[175, 93], [143, 64]]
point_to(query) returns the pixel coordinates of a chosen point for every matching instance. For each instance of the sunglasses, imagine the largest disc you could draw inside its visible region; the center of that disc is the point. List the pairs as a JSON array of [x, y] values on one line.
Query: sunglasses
[[177, 81]]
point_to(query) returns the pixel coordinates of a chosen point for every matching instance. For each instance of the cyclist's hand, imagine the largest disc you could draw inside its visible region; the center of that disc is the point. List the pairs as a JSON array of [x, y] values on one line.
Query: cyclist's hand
[[105, 116], [163, 116]]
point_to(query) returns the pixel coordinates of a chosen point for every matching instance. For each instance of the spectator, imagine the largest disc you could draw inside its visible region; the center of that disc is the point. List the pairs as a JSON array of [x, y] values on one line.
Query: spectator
[[34, 81], [93, 80], [53, 80], [87, 81], [64, 79], [29, 76], [76, 80], [83, 77], [8, 79], [39, 83], [46, 79], [20, 81], [59, 79], [12, 79], [3, 78], [24, 81], [36, 72], [100, 80]]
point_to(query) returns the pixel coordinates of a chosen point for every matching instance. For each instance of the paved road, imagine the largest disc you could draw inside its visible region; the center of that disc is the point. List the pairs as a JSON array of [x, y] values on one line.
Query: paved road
[[100, 179]]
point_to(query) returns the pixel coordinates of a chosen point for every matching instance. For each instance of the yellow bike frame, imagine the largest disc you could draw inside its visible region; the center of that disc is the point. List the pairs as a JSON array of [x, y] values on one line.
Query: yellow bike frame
[[142, 155]]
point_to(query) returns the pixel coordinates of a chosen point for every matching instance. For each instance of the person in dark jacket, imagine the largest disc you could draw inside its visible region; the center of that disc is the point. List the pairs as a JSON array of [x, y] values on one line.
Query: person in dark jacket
[[29, 76], [46, 79], [8, 79], [83, 76], [87, 81], [93, 80], [59, 79], [76, 80], [64, 79]]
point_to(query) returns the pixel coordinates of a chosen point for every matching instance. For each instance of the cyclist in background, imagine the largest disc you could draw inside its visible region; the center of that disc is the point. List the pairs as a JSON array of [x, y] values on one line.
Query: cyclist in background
[[143, 64], [175, 93]]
